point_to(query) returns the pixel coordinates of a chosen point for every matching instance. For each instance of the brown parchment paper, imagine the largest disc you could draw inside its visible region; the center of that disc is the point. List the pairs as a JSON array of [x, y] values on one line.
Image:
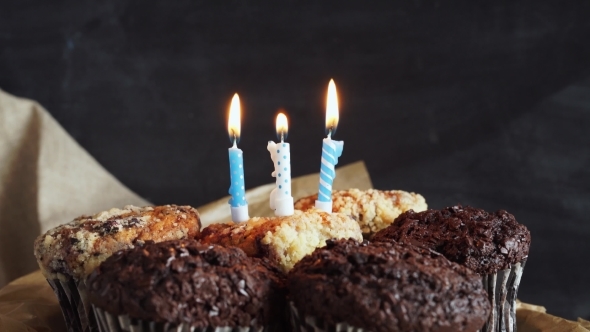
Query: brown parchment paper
[[46, 178], [533, 318]]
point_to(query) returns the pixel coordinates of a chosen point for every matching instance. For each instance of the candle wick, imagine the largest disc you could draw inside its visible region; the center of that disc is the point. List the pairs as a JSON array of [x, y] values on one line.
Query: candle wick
[[282, 137], [330, 132], [233, 137]]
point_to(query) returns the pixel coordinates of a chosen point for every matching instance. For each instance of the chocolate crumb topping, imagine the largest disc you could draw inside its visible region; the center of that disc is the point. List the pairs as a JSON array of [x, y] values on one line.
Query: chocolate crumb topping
[[388, 287], [484, 242], [184, 281]]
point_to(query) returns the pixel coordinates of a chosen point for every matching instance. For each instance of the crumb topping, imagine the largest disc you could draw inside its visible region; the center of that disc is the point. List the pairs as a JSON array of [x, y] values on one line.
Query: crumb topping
[[74, 249], [284, 240], [373, 209]]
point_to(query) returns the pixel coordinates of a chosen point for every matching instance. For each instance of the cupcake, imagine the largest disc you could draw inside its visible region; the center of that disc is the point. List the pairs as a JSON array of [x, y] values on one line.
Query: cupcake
[[283, 240], [383, 287], [68, 253], [184, 285], [494, 245], [372, 209]]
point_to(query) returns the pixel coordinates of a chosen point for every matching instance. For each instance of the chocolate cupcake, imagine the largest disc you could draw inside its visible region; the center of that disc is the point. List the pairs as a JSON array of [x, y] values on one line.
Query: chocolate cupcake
[[494, 245], [184, 286], [68, 253], [379, 287]]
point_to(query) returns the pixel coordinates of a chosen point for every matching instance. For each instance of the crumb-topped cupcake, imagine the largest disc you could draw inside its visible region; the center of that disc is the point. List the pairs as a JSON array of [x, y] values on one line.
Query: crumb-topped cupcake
[[184, 285], [493, 244], [283, 240], [373, 209], [68, 253], [383, 287]]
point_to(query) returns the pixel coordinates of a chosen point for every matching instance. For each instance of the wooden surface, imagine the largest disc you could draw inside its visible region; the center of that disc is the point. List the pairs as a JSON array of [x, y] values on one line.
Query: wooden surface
[[483, 105]]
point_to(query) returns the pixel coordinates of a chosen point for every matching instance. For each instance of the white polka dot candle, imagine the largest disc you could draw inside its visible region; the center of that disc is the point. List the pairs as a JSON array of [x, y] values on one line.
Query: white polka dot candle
[[331, 151], [237, 202], [281, 200]]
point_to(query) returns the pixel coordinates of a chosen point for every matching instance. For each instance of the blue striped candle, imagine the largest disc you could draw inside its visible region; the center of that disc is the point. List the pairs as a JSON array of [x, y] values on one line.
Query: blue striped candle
[[331, 151]]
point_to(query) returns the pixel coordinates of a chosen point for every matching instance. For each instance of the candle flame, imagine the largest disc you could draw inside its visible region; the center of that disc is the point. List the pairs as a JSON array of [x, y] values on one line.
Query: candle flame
[[233, 122], [282, 126], [332, 109]]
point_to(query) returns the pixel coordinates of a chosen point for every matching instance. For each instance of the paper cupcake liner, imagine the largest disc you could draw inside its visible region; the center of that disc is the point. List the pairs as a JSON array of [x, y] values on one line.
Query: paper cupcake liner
[[73, 300], [502, 288], [118, 323], [312, 324]]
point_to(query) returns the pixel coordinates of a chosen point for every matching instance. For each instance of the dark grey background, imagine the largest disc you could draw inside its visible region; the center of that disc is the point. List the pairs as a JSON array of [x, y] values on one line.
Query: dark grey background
[[487, 105]]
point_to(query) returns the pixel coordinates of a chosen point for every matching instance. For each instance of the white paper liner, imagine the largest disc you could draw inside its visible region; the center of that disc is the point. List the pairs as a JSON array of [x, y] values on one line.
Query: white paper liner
[[312, 324], [73, 300], [112, 323], [502, 288]]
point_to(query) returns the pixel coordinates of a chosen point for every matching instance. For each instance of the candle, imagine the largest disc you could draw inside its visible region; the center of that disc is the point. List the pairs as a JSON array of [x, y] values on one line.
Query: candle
[[331, 151], [281, 200], [238, 204]]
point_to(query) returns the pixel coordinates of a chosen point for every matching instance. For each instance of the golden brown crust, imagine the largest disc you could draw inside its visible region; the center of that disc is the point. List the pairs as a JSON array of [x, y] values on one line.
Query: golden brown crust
[[246, 236], [283, 240], [76, 248], [373, 209]]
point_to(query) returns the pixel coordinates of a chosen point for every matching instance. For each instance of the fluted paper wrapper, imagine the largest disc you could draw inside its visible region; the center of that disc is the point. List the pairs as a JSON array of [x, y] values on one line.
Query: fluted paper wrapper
[[502, 288], [116, 323], [313, 324], [73, 300]]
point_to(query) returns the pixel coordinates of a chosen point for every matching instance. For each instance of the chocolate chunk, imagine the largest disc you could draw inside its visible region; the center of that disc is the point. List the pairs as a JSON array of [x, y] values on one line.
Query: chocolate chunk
[[132, 222], [485, 242]]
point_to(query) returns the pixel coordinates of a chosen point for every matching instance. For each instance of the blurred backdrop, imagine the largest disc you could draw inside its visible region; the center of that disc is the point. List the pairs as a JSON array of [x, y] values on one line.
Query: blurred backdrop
[[486, 105]]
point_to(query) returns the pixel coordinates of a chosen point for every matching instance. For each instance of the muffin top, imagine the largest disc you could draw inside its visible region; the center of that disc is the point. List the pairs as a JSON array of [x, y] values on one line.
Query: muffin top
[[184, 281], [484, 242], [388, 287], [78, 247], [283, 240], [373, 209]]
